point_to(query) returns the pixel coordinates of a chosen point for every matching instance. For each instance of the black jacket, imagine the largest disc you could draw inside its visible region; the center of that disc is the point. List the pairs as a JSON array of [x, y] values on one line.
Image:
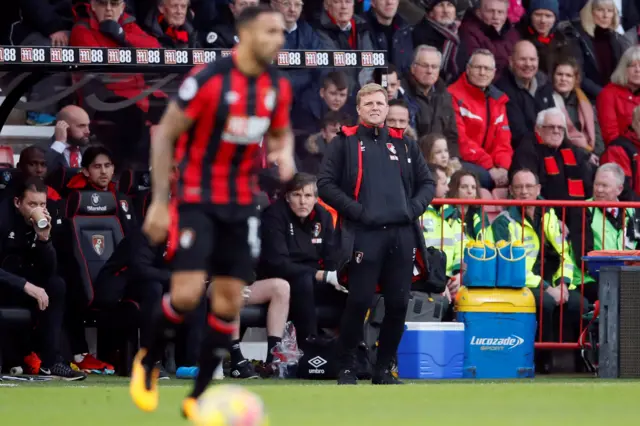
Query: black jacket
[[347, 175], [42, 16], [522, 108], [592, 80], [21, 253], [401, 49], [433, 34], [141, 262], [170, 39], [291, 248], [222, 33]]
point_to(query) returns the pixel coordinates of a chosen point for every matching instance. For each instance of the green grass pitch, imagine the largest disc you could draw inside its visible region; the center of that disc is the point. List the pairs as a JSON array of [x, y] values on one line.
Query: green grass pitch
[[105, 402]]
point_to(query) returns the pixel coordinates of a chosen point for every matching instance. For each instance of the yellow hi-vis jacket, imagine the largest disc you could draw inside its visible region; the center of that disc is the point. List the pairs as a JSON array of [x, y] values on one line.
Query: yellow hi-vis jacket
[[438, 234], [463, 232], [508, 226]]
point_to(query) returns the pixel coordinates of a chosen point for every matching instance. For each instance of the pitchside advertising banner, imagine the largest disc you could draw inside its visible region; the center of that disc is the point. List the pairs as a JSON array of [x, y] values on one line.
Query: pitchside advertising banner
[[75, 57]]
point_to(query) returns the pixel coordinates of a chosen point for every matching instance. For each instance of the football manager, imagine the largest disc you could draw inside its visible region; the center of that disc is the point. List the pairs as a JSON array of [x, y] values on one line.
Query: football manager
[[379, 184]]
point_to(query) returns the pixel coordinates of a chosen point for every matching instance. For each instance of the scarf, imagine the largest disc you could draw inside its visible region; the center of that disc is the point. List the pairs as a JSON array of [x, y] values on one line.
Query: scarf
[[353, 38], [450, 46], [174, 33], [561, 171], [585, 139], [542, 39]]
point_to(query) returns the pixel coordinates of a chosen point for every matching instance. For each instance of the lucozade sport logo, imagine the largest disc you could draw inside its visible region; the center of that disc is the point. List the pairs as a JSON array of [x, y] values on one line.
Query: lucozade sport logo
[[497, 344]]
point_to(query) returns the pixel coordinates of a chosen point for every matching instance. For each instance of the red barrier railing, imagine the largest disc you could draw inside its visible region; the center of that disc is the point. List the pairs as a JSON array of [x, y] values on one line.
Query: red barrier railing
[[544, 205]]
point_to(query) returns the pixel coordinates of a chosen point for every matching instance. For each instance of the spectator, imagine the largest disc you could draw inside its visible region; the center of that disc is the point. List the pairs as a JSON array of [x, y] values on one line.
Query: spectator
[[435, 150], [43, 23], [275, 293], [481, 114], [172, 25], [565, 172], [97, 175], [223, 34], [540, 27], [316, 144], [299, 247], [438, 233], [617, 100], [604, 228], [439, 29], [28, 277], [624, 151], [390, 73], [528, 90], [601, 47], [299, 35], [429, 102], [332, 96], [398, 118], [487, 27], [108, 25], [391, 33], [70, 139], [464, 185], [583, 129], [340, 29], [512, 225]]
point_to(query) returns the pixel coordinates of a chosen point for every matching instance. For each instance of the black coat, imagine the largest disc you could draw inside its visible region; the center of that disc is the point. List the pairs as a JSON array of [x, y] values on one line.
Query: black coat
[[43, 16], [21, 253], [338, 180], [522, 108], [141, 261], [292, 248], [592, 80]]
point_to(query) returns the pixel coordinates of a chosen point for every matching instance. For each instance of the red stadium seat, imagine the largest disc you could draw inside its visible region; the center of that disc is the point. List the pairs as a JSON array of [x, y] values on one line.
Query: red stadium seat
[[491, 211], [6, 157]]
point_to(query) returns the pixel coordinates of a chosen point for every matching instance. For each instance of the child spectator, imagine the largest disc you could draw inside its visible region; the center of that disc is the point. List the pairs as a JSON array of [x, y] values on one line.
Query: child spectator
[[435, 149]]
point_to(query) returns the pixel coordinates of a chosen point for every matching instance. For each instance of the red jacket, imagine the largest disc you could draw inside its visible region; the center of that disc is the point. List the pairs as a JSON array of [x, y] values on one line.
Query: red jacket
[[486, 143], [86, 33], [615, 106]]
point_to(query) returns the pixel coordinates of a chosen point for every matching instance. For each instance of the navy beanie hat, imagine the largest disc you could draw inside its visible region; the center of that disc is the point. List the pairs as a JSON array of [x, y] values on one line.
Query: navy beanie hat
[[551, 5]]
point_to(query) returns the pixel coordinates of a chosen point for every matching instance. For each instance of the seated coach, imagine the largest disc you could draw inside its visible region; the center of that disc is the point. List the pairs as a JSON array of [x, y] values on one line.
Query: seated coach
[[297, 246]]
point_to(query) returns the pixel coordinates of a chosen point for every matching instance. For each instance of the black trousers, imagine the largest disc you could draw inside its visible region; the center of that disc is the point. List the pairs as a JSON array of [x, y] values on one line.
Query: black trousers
[[48, 323], [551, 315], [306, 295], [381, 256], [109, 290]]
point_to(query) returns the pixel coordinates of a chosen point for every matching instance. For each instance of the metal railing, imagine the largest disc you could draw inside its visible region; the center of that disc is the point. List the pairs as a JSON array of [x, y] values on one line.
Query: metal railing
[[544, 205]]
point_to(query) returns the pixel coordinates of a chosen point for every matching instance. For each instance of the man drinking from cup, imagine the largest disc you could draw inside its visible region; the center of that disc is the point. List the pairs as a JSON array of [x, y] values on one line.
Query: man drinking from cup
[[28, 276]]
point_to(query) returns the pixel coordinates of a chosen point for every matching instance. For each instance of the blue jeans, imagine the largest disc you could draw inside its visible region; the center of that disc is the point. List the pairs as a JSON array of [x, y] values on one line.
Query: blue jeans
[[483, 174]]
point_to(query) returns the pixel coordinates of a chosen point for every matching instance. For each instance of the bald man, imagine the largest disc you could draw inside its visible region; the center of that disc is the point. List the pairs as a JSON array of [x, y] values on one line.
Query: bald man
[[528, 89], [70, 139]]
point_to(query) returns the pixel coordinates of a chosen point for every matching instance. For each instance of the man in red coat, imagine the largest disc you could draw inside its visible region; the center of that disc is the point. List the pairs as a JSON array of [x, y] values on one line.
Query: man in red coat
[[483, 127], [107, 25]]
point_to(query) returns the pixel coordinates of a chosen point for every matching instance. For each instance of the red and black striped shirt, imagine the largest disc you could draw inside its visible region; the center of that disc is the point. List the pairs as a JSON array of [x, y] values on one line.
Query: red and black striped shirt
[[219, 156]]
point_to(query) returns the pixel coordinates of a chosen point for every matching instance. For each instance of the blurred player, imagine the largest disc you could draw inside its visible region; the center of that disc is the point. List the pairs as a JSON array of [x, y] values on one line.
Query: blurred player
[[221, 114]]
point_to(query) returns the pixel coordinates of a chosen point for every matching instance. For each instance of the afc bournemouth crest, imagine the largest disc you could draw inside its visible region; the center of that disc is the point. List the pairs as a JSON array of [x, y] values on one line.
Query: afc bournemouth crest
[[95, 199], [317, 228], [391, 148], [97, 241], [125, 206], [359, 256], [187, 237]]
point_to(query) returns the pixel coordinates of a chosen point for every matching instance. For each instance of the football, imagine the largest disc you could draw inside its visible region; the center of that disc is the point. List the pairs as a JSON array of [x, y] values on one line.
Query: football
[[230, 405]]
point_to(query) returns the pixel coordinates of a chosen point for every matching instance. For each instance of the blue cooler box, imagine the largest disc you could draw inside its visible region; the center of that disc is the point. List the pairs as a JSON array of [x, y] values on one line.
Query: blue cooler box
[[500, 330], [431, 350]]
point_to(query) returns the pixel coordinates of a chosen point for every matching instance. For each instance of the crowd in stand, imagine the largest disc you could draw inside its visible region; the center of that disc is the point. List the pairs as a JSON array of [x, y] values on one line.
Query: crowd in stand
[[505, 98]]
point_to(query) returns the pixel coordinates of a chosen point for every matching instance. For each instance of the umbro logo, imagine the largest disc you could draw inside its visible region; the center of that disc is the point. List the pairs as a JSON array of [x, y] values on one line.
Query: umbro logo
[[317, 362]]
